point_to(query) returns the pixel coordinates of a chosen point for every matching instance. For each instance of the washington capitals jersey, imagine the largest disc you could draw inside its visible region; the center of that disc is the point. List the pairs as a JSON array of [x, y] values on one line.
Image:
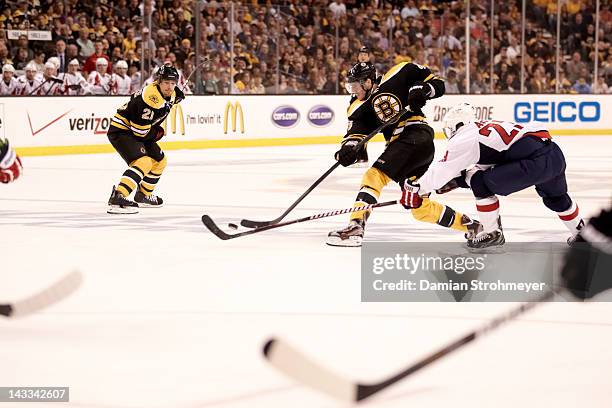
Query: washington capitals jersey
[[389, 98], [477, 143], [146, 108]]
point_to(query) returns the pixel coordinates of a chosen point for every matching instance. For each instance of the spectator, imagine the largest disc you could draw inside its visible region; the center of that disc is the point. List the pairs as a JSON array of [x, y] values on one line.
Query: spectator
[[60, 53], [92, 62], [581, 86], [209, 84], [574, 67], [338, 8], [86, 46]]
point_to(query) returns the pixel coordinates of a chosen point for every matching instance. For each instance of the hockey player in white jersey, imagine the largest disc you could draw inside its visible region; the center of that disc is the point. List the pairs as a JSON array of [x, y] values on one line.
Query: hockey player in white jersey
[[8, 85], [51, 84], [74, 83], [121, 83], [28, 83], [497, 158], [100, 80]]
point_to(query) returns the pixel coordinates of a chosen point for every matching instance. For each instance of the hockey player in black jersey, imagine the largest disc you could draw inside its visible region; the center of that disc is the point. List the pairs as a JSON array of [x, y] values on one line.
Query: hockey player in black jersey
[[410, 147], [134, 132]]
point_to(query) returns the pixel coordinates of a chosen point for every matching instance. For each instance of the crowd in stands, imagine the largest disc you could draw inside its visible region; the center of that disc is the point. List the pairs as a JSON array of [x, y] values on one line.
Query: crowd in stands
[[111, 47]]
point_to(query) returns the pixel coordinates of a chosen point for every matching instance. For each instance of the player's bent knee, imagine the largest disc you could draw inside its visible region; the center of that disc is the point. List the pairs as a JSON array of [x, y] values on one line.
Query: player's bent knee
[[144, 164], [159, 166], [375, 179], [478, 185], [558, 203]]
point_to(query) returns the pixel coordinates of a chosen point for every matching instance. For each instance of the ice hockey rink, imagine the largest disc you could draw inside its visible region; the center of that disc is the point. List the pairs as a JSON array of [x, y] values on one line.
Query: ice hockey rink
[[170, 316]]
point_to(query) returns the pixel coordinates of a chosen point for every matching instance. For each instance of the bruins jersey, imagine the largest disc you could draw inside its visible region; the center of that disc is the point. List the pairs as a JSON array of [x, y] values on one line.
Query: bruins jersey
[[389, 98], [146, 108]]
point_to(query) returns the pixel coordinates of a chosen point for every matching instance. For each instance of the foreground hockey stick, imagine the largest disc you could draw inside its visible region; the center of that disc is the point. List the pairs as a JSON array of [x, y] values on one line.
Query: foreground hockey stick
[[259, 224], [298, 366], [210, 224], [56, 292]]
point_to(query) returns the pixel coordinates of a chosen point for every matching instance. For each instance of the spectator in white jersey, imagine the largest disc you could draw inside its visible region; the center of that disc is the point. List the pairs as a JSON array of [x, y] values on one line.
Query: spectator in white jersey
[[28, 83], [8, 85], [51, 84], [122, 83], [100, 80], [74, 83]]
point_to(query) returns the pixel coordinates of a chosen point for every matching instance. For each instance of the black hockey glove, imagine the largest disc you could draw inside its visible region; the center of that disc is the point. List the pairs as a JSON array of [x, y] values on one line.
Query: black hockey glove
[[588, 265], [418, 95], [180, 95], [157, 132], [347, 154]]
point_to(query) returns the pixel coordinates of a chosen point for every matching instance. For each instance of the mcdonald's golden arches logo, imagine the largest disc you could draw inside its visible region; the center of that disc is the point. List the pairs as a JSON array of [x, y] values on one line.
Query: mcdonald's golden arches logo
[[233, 110], [176, 110]]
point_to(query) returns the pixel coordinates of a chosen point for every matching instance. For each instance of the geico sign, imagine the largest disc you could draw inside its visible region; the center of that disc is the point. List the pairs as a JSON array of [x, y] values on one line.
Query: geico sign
[[233, 110], [176, 110], [566, 111]]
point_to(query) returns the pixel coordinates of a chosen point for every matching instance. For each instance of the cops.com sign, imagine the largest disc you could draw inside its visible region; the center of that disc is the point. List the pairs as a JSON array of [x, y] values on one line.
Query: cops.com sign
[[563, 111]]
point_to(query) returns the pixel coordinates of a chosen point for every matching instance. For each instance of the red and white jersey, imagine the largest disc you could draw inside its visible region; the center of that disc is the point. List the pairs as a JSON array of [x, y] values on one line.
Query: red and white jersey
[[51, 87], [75, 84], [26, 87], [121, 85], [477, 143], [100, 84], [9, 88]]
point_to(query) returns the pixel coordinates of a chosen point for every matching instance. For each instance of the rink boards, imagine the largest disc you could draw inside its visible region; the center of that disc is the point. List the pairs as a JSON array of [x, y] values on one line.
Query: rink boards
[[65, 125]]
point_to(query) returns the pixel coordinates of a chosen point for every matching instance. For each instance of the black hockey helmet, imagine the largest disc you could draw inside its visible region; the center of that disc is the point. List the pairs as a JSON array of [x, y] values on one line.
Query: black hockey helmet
[[361, 71], [167, 72]]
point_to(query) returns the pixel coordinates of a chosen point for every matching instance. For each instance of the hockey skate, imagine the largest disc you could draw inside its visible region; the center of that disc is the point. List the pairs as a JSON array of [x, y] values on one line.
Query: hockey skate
[[118, 204], [148, 201], [487, 240], [351, 236]]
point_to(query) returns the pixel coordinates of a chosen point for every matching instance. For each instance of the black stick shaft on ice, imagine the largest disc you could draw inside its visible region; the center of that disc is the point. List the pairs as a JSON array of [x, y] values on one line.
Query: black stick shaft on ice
[[214, 228], [306, 371], [259, 224]]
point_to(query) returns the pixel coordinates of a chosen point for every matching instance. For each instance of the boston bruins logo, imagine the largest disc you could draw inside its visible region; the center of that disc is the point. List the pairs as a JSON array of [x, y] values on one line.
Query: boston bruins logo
[[386, 106]]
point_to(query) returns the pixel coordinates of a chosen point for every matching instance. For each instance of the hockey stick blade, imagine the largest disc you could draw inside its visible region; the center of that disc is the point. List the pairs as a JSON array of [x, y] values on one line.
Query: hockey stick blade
[[304, 370], [214, 228], [258, 224], [53, 294]]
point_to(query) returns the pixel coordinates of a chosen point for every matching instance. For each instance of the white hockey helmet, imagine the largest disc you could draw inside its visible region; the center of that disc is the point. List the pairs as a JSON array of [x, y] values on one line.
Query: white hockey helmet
[[55, 61], [8, 68], [456, 117], [121, 64], [31, 67], [101, 61], [75, 61], [50, 65]]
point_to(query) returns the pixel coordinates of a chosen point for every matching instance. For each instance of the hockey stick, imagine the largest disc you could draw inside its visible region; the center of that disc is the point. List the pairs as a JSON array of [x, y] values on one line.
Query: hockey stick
[[301, 368], [259, 224], [56, 292], [210, 224]]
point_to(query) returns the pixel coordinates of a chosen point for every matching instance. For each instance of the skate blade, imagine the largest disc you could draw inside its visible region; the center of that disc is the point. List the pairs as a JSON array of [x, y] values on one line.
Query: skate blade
[[113, 209], [359, 165], [498, 249], [350, 242], [143, 205]]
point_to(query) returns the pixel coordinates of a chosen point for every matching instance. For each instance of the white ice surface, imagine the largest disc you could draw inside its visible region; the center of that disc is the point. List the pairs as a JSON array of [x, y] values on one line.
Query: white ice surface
[[170, 316]]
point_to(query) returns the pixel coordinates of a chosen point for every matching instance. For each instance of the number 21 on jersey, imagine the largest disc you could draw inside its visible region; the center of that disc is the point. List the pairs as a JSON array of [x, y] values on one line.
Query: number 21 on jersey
[[487, 127]]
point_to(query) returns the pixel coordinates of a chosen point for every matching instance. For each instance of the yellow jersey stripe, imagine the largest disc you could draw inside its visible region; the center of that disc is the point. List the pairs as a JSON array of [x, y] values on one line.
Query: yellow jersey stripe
[[431, 76], [118, 125], [121, 119], [354, 106], [392, 72]]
